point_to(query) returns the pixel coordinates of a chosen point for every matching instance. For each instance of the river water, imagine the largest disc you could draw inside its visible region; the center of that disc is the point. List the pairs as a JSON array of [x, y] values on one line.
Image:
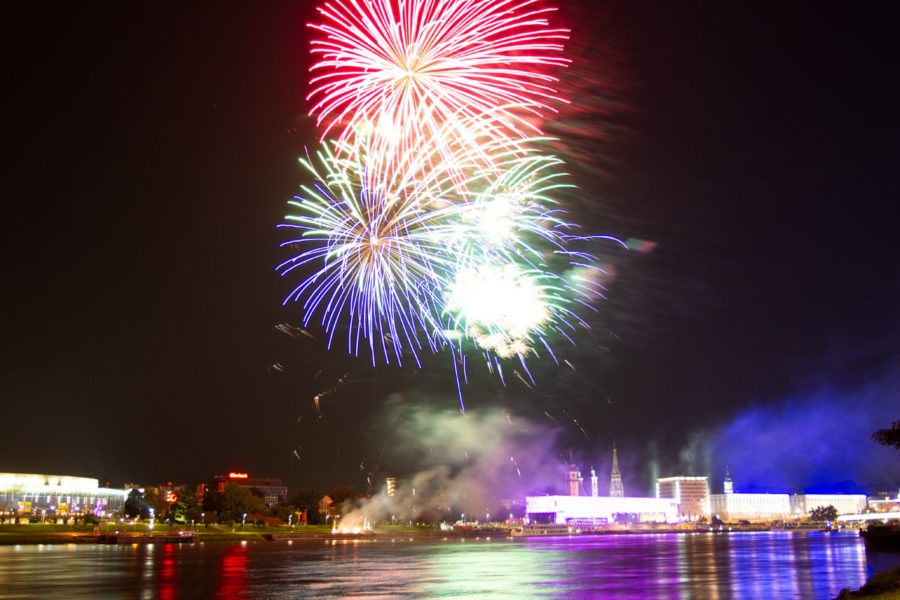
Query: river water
[[683, 566]]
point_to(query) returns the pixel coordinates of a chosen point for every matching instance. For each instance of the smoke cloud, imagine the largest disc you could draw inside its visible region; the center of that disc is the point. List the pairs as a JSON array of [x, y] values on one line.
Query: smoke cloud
[[462, 464], [819, 440]]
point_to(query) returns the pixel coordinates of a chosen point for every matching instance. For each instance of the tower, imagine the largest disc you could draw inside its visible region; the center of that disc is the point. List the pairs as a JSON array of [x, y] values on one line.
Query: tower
[[573, 480], [729, 487], [594, 489], [616, 490]]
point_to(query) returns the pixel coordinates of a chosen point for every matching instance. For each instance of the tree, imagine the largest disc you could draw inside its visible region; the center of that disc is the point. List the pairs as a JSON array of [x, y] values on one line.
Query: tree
[[308, 500], [823, 513], [212, 501], [133, 504], [237, 500], [344, 500], [889, 437], [154, 500], [339, 494], [186, 508]]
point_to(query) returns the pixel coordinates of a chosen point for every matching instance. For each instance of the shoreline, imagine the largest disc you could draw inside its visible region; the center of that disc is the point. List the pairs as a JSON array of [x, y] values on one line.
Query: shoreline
[[92, 537]]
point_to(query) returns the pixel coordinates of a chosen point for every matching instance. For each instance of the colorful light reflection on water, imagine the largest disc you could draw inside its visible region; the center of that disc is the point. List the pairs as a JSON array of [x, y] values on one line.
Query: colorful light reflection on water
[[677, 566]]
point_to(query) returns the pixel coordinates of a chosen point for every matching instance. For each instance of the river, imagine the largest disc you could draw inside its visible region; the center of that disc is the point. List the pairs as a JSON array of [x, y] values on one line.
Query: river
[[683, 566]]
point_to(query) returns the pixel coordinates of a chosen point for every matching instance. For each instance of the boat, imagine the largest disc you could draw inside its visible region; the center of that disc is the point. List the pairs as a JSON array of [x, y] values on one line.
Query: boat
[[180, 537], [543, 529]]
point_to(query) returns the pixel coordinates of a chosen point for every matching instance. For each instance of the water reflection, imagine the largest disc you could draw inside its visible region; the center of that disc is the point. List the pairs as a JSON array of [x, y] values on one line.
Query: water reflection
[[233, 572], [682, 566], [167, 573]]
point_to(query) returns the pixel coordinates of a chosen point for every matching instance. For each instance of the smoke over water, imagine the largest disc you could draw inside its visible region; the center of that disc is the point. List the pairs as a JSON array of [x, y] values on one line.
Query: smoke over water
[[461, 464], [817, 441]]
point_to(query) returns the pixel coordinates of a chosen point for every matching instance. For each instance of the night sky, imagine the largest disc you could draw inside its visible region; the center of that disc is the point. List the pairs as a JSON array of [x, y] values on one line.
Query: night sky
[[151, 151]]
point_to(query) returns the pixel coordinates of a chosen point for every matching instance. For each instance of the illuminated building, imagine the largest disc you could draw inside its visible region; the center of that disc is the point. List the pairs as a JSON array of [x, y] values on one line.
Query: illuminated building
[[390, 486], [272, 490], [767, 507], [598, 510], [52, 496], [802, 504], [691, 493], [595, 491], [616, 490], [884, 502], [750, 507]]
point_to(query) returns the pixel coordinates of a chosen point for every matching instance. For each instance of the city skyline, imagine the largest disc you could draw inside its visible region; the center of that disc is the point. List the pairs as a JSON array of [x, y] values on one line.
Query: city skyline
[[747, 157]]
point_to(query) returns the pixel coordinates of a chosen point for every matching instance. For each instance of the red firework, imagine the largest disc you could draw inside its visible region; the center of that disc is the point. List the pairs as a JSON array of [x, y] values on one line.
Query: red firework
[[446, 72]]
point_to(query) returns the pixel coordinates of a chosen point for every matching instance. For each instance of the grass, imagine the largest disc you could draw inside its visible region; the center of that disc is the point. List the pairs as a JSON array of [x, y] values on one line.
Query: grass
[[48, 533], [881, 586]]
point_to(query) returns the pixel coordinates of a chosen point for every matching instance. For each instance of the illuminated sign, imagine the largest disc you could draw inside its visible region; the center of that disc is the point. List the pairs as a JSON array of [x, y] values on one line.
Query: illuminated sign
[[171, 497], [234, 475]]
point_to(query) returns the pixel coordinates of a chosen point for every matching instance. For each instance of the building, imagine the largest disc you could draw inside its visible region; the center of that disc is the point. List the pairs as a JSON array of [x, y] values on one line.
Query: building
[[884, 502], [390, 486], [325, 504], [573, 481], [691, 493], [595, 488], [46, 497], [616, 489], [802, 504], [750, 507], [272, 490], [767, 507], [598, 510]]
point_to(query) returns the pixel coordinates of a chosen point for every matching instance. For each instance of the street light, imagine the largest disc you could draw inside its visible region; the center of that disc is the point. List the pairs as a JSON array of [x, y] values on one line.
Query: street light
[[243, 520]]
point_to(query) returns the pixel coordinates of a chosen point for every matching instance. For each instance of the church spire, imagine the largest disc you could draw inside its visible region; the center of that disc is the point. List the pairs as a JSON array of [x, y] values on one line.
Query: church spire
[[616, 489]]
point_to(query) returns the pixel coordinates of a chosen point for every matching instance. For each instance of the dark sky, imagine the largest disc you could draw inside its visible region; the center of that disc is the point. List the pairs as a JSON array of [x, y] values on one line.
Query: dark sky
[[151, 150]]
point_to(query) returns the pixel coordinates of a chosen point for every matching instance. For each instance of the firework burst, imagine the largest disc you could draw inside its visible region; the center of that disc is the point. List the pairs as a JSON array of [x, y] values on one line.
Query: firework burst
[[439, 73], [375, 244], [415, 261], [431, 222]]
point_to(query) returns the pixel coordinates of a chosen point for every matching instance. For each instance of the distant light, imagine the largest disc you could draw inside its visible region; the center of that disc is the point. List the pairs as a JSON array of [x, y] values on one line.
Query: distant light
[[236, 475]]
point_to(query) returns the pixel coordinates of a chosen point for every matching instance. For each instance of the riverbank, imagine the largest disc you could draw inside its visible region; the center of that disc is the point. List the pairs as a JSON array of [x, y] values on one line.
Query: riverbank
[[883, 586], [11, 535], [80, 534]]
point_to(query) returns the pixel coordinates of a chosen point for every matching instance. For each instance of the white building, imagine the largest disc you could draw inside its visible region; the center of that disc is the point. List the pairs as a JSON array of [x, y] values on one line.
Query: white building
[[802, 504], [598, 510], [750, 507], [52, 496]]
